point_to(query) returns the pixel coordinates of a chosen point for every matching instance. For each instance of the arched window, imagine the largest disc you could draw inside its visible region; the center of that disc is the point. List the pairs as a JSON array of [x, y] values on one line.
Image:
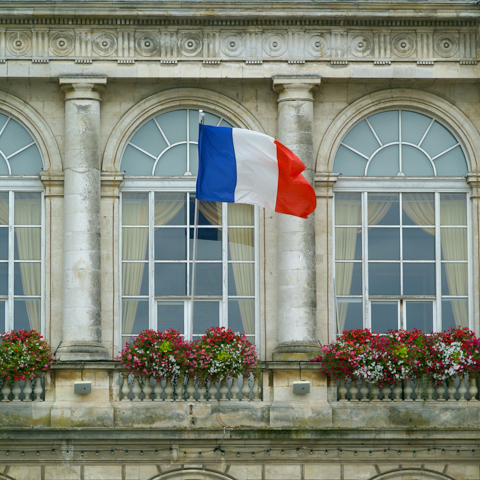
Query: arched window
[[21, 220], [160, 163], [401, 225]]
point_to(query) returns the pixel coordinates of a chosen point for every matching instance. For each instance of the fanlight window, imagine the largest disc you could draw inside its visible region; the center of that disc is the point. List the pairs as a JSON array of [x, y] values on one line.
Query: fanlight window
[[167, 144], [400, 142], [19, 154]]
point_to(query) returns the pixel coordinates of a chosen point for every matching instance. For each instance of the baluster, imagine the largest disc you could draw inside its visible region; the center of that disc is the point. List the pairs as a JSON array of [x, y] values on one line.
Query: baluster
[[235, 389], [27, 390], [168, 389], [147, 388], [157, 390], [223, 388], [462, 389], [342, 390], [180, 387], [473, 390], [397, 392], [38, 390], [16, 390], [136, 390], [202, 389], [375, 392], [257, 389], [430, 390], [212, 389], [353, 390], [6, 390], [191, 388], [451, 390], [364, 391], [408, 391], [440, 392], [386, 390], [246, 387], [125, 387]]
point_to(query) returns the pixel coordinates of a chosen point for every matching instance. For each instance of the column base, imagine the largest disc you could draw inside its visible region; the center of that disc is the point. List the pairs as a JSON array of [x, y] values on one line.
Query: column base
[[296, 351], [80, 351]]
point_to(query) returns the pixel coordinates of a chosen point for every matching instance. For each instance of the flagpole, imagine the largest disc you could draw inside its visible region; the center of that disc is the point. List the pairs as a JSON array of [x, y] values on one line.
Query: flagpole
[[201, 119]]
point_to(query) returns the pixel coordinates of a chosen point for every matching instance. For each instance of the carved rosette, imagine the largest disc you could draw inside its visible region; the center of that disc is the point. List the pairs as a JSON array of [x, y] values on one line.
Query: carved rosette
[[62, 44], [190, 44], [446, 45], [404, 45], [19, 44], [275, 45], [233, 44], [317, 46], [104, 44], [147, 44], [361, 45]]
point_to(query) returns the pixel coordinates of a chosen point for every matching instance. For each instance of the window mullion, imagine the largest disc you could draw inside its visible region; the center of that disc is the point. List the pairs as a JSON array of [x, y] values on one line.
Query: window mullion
[[438, 266], [469, 263], [151, 262], [11, 252], [403, 316], [366, 306], [224, 306]]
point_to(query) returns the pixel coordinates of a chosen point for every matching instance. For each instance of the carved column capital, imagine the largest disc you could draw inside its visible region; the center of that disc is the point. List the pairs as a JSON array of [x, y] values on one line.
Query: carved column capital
[[296, 88], [82, 88]]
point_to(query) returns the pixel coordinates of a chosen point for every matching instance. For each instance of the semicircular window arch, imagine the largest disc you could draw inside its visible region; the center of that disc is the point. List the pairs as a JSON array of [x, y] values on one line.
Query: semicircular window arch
[[166, 145], [19, 153], [400, 143]]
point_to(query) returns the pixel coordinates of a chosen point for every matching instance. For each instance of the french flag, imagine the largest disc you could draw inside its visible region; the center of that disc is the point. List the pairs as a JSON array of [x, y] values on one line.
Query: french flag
[[242, 166]]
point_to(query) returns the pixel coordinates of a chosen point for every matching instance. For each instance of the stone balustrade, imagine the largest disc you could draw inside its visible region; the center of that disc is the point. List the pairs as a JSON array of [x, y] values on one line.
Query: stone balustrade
[[136, 388], [23, 390], [462, 389]]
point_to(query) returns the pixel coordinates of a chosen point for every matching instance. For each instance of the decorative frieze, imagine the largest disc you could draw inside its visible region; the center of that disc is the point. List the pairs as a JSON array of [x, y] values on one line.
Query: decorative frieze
[[296, 43]]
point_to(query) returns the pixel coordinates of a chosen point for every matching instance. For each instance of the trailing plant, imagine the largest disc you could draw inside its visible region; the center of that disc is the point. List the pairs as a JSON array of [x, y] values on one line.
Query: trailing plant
[[23, 354]]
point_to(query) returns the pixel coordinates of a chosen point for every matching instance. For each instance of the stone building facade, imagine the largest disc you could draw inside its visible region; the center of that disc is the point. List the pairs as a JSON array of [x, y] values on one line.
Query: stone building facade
[[98, 109]]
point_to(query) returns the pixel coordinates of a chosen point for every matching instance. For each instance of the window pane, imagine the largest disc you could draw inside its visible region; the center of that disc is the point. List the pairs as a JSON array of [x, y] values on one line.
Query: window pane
[[174, 125], [208, 278], [170, 315], [206, 315], [170, 243], [2, 317], [241, 244], [348, 278], [135, 209], [420, 315], [209, 243], [454, 279], [3, 208], [453, 209], [348, 209], [3, 243], [149, 138], [135, 243], [27, 279], [170, 279], [415, 163], [13, 138], [241, 279], [241, 316], [348, 162], [383, 209], [418, 244], [414, 126], [240, 214], [27, 243], [362, 139], [28, 210], [134, 316], [135, 279], [27, 315], [454, 313], [385, 125], [170, 209], [418, 209], [350, 314], [454, 243], [3, 278], [135, 162], [384, 244], [348, 243], [385, 162], [419, 279], [209, 213], [384, 278], [193, 150], [27, 162], [452, 163], [173, 161], [438, 139], [384, 316], [194, 120]]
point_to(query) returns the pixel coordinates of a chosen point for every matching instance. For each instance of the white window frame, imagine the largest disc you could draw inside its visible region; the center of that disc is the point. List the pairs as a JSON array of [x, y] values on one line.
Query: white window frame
[[437, 185], [183, 184], [12, 185]]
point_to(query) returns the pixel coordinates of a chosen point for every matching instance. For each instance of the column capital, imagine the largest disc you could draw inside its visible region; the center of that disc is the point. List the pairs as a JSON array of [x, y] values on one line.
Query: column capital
[[82, 87], [473, 180], [295, 87], [324, 182]]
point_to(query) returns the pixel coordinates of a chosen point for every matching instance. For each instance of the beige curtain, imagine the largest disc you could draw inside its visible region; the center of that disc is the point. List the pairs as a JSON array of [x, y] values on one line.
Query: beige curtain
[[454, 247], [241, 242], [420, 209], [28, 212]]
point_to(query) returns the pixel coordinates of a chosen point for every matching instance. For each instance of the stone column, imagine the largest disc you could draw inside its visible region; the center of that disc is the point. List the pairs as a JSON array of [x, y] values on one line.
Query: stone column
[[82, 335], [297, 332]]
